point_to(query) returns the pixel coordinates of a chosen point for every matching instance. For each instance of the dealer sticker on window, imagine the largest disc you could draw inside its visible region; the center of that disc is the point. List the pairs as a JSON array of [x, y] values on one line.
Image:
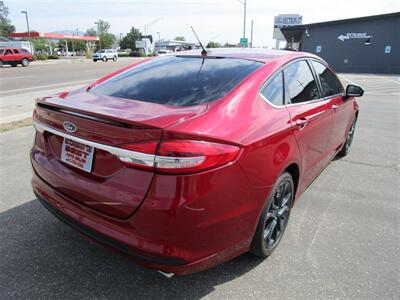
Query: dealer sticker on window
[[77, 154]]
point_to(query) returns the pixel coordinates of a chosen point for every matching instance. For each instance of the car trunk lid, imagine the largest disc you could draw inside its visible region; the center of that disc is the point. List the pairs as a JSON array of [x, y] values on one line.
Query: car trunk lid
[[110, 187]]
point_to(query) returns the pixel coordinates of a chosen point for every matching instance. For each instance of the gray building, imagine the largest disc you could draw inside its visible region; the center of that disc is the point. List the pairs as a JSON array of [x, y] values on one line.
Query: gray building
[[360, 45]]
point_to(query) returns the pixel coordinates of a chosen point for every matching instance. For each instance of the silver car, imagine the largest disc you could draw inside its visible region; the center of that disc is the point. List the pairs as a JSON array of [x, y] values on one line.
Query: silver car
[[105, 55]]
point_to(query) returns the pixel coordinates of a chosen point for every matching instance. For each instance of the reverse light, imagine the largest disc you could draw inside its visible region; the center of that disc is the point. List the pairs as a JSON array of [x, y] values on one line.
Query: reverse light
[[179, 156]]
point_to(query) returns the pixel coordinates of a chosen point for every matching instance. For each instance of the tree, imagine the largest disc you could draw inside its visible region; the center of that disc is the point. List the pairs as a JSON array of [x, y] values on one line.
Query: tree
[[180, 38], [106, 38], [129, 40], [5, 24], [212, 44]]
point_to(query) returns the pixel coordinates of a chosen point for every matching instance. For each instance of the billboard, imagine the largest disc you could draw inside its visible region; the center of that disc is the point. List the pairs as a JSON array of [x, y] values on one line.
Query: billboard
[[285, 20]]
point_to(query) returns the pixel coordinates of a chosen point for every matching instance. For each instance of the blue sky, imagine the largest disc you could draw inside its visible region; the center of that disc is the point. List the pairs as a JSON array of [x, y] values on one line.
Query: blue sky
[[218, 20]]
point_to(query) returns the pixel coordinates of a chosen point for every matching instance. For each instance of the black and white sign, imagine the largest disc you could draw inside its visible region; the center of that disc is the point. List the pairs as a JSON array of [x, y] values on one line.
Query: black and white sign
[[354, 35]]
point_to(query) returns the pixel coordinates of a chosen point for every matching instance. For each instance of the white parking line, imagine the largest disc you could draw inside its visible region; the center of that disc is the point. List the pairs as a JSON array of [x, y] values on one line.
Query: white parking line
[[48, 86]]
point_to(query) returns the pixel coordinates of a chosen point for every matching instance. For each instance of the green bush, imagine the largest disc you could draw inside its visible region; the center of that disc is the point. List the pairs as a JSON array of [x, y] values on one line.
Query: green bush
[[123, 55], [40, 56], [53, 56], [89, 54]]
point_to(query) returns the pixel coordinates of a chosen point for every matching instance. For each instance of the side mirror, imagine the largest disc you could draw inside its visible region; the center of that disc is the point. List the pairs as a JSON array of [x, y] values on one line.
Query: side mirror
[[354, 91]]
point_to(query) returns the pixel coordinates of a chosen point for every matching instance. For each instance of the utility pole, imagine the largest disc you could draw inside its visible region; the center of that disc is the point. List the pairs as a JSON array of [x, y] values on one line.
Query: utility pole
[[29, 31], [120, 37], [251, 35]]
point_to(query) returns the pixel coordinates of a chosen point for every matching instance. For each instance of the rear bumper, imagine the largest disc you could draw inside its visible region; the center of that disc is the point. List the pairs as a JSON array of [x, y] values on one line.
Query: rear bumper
[[185, 224], [107, 241]]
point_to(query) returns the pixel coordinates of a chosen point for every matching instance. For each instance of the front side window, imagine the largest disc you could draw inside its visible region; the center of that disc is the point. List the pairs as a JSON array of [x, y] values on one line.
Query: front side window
[[300, 83], [15, 51], [178, 80], [329, 82], [273, 90], [8, 52]]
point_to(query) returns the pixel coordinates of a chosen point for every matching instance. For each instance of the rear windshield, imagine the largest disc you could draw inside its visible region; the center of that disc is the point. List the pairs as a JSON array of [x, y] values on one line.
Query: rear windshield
[[181, 81]]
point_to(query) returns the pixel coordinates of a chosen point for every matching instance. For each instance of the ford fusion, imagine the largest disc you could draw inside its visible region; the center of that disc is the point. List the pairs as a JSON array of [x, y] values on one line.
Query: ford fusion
[[182, 162]]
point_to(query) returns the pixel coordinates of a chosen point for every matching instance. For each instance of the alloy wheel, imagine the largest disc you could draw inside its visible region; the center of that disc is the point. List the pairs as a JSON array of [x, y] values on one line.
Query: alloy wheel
[[278, 214]]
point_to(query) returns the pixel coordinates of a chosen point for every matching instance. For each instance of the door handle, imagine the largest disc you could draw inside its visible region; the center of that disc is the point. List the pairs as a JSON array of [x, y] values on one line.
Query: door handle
[[301, 123], [335, 107]]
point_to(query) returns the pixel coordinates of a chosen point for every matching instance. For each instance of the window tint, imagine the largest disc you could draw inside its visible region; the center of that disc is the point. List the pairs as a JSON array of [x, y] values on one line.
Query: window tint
[[329, 82], [178, 80], [300, 83], [1, 51], [8, 52], [16, 51], [273, 90]]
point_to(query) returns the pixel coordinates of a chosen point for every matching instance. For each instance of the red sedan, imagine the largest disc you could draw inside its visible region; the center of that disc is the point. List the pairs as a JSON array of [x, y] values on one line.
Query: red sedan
[[185, 161]]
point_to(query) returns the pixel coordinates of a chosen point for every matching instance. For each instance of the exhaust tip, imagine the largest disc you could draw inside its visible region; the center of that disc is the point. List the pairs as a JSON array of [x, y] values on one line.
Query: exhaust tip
[[168, 275]]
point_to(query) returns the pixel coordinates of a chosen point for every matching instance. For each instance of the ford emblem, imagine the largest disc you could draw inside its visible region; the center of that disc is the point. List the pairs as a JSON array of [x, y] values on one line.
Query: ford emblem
[[70, 127]]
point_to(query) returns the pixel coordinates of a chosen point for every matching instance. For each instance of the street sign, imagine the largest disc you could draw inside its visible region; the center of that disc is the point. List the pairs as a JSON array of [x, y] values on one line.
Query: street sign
[[244, 42], [140, 44]]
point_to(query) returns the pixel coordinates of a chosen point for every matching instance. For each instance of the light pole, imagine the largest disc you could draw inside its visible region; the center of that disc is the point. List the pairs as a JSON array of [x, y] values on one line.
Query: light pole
[[98, 33], [159, 39], [29, 31], [244, 3]]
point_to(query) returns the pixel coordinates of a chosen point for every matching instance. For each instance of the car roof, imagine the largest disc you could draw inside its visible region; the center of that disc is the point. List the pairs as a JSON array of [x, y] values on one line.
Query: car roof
[[262, 55]]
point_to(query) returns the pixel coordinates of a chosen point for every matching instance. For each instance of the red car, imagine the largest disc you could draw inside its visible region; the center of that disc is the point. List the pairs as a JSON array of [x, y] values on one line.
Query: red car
[[185, 161], [14, 56]]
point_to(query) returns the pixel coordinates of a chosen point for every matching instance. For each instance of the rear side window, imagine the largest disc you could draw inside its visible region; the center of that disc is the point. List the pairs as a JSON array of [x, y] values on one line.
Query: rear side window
[[273, 90], [1, 51], [179, 80], [8, 52], [300, 83], [329, 82], [16, 51]]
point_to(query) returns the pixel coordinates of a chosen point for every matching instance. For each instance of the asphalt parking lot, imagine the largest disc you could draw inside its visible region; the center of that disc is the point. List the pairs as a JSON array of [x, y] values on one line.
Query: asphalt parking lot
[[342, 241]]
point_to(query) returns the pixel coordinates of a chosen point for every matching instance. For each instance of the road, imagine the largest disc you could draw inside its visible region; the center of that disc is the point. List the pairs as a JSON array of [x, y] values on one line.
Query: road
[[342, 240], [20, 86]]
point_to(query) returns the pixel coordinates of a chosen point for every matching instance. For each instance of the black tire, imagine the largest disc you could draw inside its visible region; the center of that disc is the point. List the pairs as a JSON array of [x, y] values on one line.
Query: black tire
[[274, 217], [105, 59], [13, 65], [114, 58], [349, 140], [25, 62], [95, 60]]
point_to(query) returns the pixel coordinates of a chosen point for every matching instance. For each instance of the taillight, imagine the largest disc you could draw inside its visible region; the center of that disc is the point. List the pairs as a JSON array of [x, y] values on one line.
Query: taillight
[[179, 156]]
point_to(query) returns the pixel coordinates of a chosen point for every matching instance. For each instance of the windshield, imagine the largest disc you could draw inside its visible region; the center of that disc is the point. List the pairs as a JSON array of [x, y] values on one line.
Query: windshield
[[182, 81], [101, 51]]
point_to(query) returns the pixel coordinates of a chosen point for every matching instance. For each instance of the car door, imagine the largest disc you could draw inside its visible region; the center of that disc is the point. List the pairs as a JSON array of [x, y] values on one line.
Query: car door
[[9, 56], [311, 118], [17, 55], [341, 109]]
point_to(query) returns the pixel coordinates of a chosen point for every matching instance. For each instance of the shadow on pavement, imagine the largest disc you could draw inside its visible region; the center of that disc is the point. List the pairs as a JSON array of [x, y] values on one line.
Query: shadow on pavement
[[40, 257]]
